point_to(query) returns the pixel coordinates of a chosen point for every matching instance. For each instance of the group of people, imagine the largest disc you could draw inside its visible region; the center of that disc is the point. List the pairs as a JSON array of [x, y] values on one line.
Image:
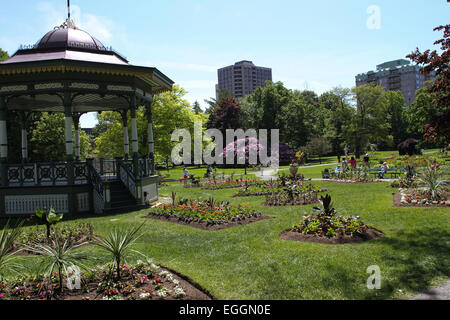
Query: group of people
[[344, 165]]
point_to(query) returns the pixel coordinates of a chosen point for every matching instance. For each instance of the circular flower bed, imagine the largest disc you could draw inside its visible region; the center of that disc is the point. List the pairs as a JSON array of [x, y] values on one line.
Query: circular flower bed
[[275, 187], [420, 197], [327, 227], [145, 281], [208, 214]]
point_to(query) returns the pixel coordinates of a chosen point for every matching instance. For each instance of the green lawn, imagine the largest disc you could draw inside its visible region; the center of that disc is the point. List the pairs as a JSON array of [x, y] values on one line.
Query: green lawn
[[251, 262]]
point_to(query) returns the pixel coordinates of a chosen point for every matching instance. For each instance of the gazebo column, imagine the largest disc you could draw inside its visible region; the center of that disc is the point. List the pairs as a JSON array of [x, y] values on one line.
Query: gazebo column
[[134, 133], [72, 202], [151, 141], [69, 137], [3, 143], [135, 146], [126, 139], [23, 126], [76, 124]]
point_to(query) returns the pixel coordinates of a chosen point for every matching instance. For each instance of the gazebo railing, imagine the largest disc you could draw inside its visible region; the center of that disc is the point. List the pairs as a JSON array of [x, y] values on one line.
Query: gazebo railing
[[44, 174], [146, 167], [56, 173]]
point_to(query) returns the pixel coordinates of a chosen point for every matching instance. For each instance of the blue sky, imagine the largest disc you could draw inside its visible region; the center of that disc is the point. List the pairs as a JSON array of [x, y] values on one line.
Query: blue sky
[[314, 45]]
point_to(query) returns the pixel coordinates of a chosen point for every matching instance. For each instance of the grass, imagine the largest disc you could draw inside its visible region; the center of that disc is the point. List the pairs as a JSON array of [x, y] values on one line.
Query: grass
[[251, 262]]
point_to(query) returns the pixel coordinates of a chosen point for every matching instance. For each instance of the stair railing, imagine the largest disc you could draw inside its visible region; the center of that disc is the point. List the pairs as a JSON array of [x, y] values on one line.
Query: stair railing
[[98, 186], [127, 178]]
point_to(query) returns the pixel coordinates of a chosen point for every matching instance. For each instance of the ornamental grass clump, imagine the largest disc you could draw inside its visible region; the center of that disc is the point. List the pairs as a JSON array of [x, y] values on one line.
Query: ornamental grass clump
[[118, 243], [325, 223], [8, 250], [60, 257], [432, 178]]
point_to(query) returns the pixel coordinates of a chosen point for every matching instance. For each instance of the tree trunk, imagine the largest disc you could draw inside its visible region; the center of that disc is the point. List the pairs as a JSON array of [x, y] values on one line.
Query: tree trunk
[[118, 269]]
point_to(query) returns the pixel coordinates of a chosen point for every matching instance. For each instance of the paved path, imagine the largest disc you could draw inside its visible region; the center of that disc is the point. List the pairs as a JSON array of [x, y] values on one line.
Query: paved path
[[439, 293]]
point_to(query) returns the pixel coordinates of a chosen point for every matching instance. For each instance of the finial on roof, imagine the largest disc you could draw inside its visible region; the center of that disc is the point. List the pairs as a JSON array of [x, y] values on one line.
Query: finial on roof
[[68, 24]]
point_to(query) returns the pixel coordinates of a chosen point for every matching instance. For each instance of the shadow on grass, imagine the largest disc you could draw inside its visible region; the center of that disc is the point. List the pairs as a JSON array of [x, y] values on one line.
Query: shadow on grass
[[419, 257]]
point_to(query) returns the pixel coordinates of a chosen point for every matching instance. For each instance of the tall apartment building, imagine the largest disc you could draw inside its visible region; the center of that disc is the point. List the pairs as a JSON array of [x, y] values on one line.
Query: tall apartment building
[[397, 75], [242, 78]]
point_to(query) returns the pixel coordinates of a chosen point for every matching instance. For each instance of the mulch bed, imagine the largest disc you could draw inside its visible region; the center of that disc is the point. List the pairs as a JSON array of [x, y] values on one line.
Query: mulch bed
[[192, 290], [352, 182], [210, 227], [370, 234], [398, 198]]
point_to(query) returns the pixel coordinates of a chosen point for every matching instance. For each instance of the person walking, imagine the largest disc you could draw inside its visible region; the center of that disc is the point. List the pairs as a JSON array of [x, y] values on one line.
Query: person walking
[[353, 162]]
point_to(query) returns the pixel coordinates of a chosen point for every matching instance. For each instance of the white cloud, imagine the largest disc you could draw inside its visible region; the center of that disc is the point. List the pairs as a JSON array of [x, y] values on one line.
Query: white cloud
[[197, 84], [98, 26], [185, 66]]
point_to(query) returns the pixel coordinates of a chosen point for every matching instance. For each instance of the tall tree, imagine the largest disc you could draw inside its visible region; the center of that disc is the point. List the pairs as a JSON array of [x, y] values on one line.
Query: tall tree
[[170, 112], [395, 112], [196, 108], [227, 115], [369, 124], [3, 55], [337, 111], [432, 61], [48, 139]]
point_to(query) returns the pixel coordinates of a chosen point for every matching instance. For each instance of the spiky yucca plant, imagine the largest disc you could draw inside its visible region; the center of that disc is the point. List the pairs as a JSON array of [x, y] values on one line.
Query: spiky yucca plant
[[7, 250], [118, 244], [432, 178], [59, 256]]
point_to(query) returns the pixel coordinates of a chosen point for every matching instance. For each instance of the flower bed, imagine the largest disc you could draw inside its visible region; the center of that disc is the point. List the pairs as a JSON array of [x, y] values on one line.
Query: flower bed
[[228, 184], [352, 180], [145, 281], [293, 194], [271, 187], [327, 227], [420, 197], [208, 214]]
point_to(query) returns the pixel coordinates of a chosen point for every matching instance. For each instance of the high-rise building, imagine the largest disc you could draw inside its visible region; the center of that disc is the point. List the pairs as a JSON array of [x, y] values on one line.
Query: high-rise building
[[242, 78], [397, 75]]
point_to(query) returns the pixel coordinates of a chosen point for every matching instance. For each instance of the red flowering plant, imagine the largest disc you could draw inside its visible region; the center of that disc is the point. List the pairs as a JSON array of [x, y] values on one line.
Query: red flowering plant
[[209, 212]]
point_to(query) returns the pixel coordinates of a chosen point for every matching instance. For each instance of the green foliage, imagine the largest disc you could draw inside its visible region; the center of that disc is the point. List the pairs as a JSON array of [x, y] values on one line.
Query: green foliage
[[59, 256], [170, 112], [369, 122], [118, 244], [433, 178], [395, 115], [48, 217], [8, 250], [48, 139], [3, 55], [318, 146], [326, 224]]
